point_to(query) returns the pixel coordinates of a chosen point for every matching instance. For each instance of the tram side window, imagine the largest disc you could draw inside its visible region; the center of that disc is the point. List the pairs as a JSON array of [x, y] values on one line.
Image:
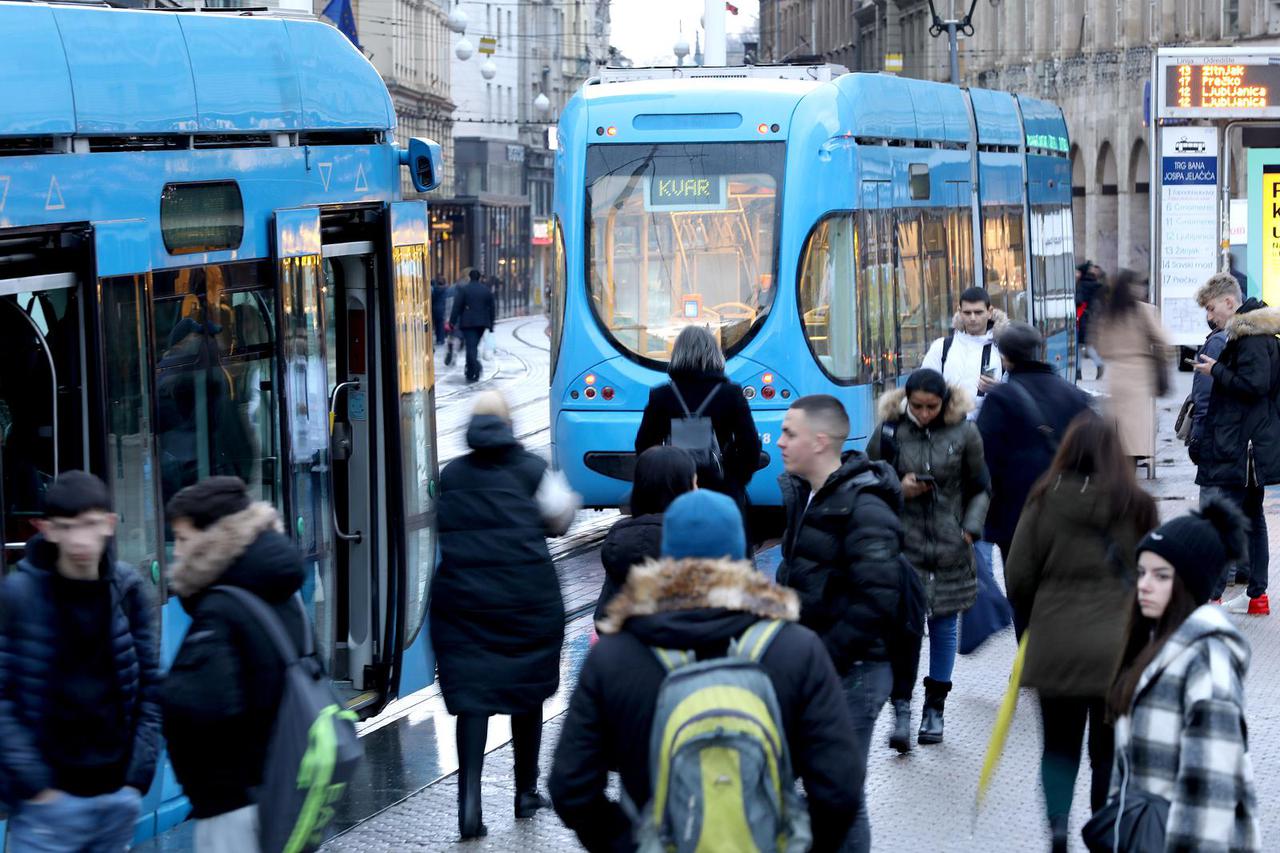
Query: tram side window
[[960, 235], [913, 317], [1003, 259], [937, 275], [555, 305], [215, 374], [877, 292], [828, 296]]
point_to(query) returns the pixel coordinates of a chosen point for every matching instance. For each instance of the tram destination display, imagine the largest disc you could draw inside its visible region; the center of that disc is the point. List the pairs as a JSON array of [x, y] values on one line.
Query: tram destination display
[[1218, 84]]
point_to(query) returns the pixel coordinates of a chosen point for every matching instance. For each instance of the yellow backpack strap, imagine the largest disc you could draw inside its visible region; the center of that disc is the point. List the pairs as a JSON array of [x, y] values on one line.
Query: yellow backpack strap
[[755, 641], [672, 659]]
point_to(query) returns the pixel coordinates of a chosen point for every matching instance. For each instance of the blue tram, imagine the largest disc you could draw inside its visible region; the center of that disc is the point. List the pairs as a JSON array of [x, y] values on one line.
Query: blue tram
[[821, 224], [205, 269]]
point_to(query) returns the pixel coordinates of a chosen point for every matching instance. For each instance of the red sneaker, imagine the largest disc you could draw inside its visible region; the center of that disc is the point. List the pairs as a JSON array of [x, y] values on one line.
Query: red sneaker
[[1260, 606]]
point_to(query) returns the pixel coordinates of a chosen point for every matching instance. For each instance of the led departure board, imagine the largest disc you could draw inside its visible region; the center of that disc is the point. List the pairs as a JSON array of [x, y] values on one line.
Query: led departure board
[[1229, 87]]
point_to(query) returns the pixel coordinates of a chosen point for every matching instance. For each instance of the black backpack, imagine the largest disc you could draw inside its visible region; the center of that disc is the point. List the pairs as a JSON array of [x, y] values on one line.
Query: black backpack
[[314, 750], [696, 434]]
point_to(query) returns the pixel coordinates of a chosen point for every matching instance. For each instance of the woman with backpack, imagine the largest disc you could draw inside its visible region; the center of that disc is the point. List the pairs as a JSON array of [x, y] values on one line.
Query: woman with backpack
[[1181, 736], [1071, 570], [730, 453], [497, 617], [662, 475], [925, 434]]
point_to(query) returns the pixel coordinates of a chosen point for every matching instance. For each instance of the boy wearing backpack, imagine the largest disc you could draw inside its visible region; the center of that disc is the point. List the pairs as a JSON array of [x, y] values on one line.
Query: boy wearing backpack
[[697, 620], [223, 691]]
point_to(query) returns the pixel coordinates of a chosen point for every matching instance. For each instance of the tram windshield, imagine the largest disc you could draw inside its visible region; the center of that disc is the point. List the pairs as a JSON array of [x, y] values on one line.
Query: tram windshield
[[682, 234]]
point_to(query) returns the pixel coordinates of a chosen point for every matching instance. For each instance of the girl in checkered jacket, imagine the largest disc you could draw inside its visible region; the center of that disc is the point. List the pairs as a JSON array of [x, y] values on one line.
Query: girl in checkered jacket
[[1181, 738]]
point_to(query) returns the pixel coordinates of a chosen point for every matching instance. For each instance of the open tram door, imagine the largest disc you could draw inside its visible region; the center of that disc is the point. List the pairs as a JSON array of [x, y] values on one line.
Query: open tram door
[[46, 406]]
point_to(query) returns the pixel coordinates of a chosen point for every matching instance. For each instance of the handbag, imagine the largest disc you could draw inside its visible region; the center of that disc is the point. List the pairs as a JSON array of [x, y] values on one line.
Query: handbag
[[1130, 822], [990, 613], [1182, 426]]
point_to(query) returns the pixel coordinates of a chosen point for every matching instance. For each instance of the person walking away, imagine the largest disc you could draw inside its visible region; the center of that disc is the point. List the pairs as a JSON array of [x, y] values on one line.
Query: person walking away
[[1239, 452], [842, 554], [698, 598], [439, 301], [1178, 698], [1072, 569], [969, 357], [79, 669], [223, 691], [1022, 423], [729, 453], [1089, 290], [496, 613], [473, 315], [1129, 336], [925, 434], [662, 475]]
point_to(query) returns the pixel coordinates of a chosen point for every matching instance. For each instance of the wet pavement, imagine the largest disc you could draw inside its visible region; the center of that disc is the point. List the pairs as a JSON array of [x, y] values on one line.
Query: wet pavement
[[406, 798]]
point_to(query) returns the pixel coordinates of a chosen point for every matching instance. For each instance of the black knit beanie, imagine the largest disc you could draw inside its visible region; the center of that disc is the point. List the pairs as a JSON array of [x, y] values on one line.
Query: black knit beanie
[[209, 500], [1200, 544]]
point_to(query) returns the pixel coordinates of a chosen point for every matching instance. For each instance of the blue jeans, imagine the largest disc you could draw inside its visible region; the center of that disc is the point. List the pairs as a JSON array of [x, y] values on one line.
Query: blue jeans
[[942, 646], [1249, 500], [68, 824], [866, 689]]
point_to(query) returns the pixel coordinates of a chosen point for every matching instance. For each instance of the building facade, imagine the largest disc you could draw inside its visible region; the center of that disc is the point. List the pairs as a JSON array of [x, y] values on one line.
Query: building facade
[[1092, 57]]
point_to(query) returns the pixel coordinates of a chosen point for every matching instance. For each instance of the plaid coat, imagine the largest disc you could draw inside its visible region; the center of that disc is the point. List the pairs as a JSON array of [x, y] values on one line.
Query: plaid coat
[[1185, 737]]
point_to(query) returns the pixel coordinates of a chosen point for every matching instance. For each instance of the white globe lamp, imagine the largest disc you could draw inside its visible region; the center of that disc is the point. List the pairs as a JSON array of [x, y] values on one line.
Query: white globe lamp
[[464, 49], [542, 103], [458, 20], [488, 71]]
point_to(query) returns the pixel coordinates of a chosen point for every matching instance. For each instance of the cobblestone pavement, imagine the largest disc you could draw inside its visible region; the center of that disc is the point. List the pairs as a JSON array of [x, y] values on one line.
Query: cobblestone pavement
[[921, 801]]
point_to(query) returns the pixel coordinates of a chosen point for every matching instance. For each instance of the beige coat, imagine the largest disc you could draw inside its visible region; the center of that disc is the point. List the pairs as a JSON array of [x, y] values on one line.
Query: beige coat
[[1127, 344]]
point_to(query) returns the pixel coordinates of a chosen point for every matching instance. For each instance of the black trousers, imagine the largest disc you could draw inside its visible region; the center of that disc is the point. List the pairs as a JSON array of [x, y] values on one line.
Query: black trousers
[[1064, 720], [471, 337]]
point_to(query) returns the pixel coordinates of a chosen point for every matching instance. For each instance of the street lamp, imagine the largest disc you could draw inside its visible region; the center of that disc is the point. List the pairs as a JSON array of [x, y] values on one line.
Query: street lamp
[[680, 49], [542, 103], [488, 71], [458, 20], [951, 26], [464, 49]]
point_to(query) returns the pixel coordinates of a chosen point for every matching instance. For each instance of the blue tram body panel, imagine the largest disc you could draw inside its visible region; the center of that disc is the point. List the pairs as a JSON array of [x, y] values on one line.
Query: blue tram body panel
[[855, 140]]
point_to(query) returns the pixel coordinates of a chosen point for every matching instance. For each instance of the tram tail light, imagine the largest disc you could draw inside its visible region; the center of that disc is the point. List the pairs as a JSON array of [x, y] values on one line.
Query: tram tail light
[[748, 392], [767, 392], [606, 392], [591, 393]]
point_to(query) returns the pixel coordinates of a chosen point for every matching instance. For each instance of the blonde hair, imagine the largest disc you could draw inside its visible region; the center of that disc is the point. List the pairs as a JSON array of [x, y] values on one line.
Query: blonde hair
[[492, 403], [1219, 284]]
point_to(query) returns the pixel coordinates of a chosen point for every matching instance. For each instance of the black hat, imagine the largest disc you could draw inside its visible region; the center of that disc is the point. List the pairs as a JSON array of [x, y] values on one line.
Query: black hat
[[209, 500], [1084, 267], [1200, 544]]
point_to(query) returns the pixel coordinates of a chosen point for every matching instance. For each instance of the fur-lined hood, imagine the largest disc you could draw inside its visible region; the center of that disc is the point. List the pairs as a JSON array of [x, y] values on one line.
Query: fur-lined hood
[[999, 320], [669, 586], [1259, 321], [893, 405], [220, 545]]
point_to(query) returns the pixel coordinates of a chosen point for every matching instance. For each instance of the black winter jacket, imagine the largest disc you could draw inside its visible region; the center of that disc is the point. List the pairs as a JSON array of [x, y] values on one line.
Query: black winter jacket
[[841, 554], [497, 618], [630, 542], [1201, 388], [1242, 423], [223, 690], [473, 306], [730, 417], [1014, 448], [668, 605], [28, 649]]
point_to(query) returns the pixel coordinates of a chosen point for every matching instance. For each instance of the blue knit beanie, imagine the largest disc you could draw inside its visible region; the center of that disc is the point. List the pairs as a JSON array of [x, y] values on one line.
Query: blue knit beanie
[[703, 523]]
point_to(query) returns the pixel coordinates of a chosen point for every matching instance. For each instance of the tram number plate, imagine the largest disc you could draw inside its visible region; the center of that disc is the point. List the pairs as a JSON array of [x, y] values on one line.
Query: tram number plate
[[357, 406]]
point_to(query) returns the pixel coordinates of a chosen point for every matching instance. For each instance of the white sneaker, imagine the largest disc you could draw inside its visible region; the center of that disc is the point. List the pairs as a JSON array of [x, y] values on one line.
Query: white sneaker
[[1239, 604]]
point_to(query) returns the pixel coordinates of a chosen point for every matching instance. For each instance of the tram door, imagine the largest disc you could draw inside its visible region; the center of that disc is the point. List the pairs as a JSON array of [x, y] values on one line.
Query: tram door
[[43, 405], [878, 319]]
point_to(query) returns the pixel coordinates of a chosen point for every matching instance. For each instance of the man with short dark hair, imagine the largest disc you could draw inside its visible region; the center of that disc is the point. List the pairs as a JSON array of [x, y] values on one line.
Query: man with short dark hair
[[1238, 453], [842, 553], [969, 357], [1021, 424], [473, 314], [79, 670]]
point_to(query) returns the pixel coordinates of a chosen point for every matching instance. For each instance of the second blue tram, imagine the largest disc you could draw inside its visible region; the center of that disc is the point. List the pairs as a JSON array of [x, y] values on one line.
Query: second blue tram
[[822, 225]]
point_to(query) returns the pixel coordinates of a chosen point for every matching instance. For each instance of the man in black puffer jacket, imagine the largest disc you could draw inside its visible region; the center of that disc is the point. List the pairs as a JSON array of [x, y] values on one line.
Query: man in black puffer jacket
[[1238, 452], [842, 552], [701, 595], [223, 690], [79, 669]]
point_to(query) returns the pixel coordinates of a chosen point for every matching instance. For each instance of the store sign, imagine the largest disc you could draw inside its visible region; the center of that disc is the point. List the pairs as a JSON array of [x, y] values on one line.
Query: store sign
[[542, 232], [1189, 225], [515, 153]]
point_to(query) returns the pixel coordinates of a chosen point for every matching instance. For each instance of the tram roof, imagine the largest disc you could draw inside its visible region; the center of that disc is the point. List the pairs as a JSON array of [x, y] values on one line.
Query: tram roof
[[92, 71]]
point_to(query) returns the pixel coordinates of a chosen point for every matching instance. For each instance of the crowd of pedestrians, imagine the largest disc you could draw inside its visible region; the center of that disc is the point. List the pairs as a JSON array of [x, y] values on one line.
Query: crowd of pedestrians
[[713, 688]]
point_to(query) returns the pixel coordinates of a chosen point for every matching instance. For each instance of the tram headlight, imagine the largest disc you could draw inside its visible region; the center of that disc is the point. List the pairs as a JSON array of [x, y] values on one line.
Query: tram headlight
[[748, 392]]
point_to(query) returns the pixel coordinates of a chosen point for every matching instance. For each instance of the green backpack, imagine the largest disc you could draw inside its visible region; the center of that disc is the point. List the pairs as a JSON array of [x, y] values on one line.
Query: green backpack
[[720, 769]]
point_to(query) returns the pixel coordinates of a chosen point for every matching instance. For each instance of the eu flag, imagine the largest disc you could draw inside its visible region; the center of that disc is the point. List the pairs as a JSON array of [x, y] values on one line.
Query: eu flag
[[339, 11]]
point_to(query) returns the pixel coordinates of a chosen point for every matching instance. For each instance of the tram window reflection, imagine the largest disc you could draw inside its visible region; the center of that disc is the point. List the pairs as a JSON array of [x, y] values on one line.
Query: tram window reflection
[[215, 367]]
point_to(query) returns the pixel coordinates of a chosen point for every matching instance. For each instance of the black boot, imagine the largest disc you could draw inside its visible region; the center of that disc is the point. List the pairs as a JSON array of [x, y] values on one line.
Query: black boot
[[935, 700], [473, 729], [526, 742], [901, 737], [1058, 828]]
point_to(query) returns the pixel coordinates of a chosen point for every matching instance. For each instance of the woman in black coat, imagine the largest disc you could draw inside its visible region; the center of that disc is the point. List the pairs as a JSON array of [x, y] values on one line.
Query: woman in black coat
[[497, 618], [662, 475], [697, 371]]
